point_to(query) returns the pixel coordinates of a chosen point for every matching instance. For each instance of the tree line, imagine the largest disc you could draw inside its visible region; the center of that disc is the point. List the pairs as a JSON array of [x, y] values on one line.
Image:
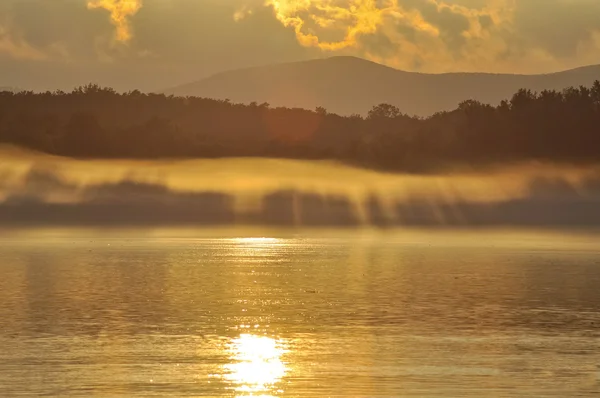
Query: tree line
[[97, 122]]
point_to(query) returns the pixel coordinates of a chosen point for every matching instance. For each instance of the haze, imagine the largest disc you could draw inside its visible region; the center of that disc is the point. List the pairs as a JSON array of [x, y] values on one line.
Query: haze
[[157, 44], [314, 198], [42, 190]]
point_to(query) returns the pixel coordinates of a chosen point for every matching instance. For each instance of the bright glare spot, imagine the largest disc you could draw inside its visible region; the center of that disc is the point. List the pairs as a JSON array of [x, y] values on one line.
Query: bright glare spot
[[256, 240], [257, 364]]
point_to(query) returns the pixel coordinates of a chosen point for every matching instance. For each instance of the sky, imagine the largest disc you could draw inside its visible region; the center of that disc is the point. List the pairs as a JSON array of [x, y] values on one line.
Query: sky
[[157, 44]]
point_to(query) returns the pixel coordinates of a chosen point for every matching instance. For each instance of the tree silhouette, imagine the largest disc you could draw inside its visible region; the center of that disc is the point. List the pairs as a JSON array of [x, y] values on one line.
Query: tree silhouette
[[93, 121]]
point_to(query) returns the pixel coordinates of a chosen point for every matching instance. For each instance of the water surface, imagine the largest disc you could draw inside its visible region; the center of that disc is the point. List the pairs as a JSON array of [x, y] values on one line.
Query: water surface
[[297, 314]]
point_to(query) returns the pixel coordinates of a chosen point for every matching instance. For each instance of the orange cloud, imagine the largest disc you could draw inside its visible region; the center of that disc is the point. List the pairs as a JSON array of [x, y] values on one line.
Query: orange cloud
[[355, 18], [120, 12], [352, 17], [416, 34]]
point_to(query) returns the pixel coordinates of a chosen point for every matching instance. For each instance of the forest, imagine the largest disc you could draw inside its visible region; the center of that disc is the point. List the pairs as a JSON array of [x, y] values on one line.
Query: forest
[[96, 122]]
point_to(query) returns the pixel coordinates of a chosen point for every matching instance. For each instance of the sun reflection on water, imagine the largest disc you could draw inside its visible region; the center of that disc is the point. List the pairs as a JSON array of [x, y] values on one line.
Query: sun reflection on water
[[257, 366], [256, 240]]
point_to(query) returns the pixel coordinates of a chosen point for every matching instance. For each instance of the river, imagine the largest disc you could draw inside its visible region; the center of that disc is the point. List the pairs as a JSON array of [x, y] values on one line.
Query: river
[[299, 314]]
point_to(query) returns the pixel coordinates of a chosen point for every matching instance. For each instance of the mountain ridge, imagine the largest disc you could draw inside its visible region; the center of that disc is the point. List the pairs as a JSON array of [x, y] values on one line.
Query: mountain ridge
[[347, 85]]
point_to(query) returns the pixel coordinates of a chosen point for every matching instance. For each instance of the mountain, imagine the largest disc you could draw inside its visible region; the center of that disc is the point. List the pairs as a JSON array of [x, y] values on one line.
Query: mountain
[[347, 85]]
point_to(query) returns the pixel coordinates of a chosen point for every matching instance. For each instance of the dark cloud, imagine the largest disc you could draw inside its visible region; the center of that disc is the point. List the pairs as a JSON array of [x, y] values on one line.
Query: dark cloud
[[174, 41], [557, 26], [451, 24], [486, 21], [380, 44], [66, 23], [440, 14], [194, 32]]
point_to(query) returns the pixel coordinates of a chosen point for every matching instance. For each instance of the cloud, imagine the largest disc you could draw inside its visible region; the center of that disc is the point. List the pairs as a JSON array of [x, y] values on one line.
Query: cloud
[[62, 44], [17, 48], [58, 44], [350, 18], [449, 35], [48, 31], [537, 21], [120, 12], [411, 34]]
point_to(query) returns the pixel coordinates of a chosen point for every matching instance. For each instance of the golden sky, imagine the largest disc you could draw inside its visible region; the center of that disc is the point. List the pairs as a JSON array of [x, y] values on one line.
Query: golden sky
[[154, 44]]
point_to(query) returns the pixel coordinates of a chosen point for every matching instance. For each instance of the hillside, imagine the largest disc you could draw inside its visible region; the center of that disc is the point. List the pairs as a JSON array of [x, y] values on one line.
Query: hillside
[[347, 85]]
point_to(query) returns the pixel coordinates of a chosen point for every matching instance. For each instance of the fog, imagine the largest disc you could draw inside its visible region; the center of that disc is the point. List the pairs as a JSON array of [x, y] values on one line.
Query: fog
[[42, 190]]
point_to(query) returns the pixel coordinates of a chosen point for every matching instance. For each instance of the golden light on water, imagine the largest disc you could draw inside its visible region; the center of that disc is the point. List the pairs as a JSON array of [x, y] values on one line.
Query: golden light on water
[[256, 240], [256, 248], [256, 366]]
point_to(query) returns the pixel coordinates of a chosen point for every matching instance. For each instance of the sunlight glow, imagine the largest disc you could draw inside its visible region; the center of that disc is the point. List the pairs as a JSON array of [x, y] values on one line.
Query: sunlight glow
[[257, 366], [256, 240]]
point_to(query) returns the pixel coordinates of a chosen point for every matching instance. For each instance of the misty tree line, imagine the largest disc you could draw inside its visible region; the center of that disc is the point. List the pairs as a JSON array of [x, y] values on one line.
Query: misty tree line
[[97, 122]]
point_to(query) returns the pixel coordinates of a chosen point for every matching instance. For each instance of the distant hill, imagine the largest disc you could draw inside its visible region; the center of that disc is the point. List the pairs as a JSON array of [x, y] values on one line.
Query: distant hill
[[347, 85]]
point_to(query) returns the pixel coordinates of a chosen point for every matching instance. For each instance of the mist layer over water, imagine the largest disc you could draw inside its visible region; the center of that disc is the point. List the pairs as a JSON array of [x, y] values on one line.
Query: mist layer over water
[[247, 176], [38, 190]]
